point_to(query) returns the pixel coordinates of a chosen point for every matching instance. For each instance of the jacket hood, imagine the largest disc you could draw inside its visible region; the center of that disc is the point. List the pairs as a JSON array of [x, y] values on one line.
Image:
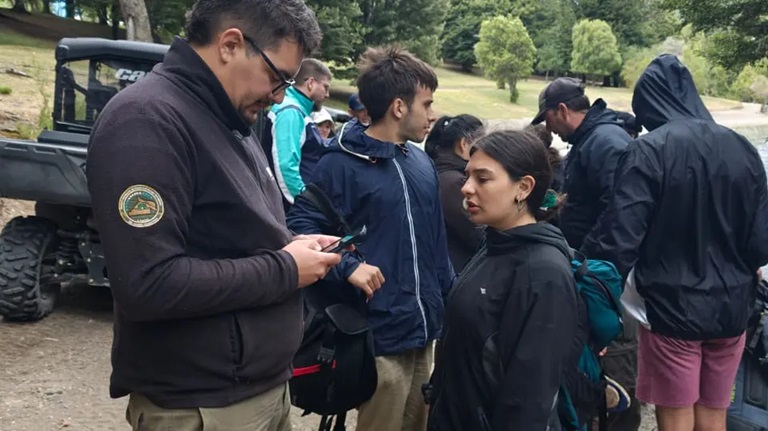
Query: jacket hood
[[666, 92], [352, 139], [448, 160], [598, 114], [184, 67], [501, 242]]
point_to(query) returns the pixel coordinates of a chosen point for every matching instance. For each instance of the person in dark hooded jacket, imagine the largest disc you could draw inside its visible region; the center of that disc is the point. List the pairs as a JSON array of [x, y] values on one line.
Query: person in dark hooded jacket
[[512, 318], [690, 218], [598, 139], [448, 144]]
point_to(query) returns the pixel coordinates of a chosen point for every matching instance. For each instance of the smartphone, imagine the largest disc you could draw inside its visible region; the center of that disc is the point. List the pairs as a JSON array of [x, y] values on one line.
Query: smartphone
[[346, 241]]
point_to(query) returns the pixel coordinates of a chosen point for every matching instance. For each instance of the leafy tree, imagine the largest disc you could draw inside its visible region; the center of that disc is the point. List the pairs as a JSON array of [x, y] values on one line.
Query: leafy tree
[[505, 51], [548, 25], [412, 22], [741, 88], [744, 29], [340, 21], [595, 49], [462, 25], [628, 19]]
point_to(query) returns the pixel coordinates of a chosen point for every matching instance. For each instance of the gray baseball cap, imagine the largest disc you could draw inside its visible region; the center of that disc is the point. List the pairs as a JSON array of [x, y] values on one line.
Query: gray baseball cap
[[561, 90]]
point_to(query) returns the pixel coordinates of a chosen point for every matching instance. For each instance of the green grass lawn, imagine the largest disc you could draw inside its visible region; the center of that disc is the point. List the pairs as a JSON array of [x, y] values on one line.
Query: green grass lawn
[[460, 93]]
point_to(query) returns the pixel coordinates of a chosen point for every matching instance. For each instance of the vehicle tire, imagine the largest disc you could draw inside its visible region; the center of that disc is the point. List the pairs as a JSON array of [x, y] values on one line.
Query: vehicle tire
[[27, 246]]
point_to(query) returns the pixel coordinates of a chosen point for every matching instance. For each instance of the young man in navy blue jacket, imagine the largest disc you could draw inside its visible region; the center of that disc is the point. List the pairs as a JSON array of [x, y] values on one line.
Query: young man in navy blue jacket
[[374, 177]]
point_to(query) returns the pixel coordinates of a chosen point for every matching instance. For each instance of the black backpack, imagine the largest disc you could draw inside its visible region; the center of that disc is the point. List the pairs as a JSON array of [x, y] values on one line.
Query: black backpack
[[335, 367]]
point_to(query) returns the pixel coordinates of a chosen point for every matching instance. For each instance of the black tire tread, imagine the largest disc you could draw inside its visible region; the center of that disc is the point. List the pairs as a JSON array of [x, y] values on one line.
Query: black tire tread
[[21, 244]]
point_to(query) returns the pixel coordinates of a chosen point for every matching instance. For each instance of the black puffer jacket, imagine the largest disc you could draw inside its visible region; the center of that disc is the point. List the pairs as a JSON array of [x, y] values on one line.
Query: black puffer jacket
[[509, 334], [690, 212], [589, 167], [463, 236]]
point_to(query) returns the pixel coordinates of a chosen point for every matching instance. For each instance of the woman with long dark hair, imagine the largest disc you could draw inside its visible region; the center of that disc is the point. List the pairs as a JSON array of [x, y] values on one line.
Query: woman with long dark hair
[[511, 323], [448, 144]]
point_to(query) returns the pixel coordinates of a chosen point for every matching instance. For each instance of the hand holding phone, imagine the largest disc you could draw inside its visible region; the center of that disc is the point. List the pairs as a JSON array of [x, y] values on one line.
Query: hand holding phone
[[346, 241]]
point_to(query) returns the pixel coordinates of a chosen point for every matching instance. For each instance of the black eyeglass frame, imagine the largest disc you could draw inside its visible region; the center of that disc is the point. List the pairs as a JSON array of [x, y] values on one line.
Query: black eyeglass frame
[[286, 82]]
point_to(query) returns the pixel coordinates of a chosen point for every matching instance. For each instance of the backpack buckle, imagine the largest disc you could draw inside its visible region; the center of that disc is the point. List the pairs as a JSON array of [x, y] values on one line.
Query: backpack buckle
[[325, 356]]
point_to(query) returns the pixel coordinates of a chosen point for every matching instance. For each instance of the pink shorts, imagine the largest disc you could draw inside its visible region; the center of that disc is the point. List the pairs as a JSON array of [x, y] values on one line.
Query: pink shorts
[[682, 373]]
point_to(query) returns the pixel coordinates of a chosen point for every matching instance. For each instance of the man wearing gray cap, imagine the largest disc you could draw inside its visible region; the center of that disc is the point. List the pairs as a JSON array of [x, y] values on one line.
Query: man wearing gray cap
[[598, 139]]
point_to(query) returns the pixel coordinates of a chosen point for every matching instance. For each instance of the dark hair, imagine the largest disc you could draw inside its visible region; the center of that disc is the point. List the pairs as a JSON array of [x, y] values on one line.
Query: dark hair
[[521, 154], [545, 136], [312, 68], [447, 131], [389, 73], [267, 22]]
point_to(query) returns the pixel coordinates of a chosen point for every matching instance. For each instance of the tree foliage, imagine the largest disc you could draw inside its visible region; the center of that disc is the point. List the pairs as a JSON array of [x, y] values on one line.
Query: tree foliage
[[595, 49], [462, 25], [742, 27], [548, 24], [505, 51], [340, 21], [416, 23]]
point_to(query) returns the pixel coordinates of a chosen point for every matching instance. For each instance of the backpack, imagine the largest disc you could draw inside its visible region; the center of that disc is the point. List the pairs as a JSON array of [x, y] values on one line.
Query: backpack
[[335, 366], [582, 393]]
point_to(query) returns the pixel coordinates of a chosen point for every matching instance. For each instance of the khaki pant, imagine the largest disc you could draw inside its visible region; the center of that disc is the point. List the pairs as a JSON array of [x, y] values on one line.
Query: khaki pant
[[398, 404], [264, 412]]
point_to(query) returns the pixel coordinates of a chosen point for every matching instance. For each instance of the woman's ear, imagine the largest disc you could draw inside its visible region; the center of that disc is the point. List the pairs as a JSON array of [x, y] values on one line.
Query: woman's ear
[[462, 150], [526, 184]]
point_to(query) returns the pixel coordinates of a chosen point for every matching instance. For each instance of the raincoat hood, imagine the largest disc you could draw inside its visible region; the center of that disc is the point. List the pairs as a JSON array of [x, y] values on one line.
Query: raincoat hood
[[666, 92]]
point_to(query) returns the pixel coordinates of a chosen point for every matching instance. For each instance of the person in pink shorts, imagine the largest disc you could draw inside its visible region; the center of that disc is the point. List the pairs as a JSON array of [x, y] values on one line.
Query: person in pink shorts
[[689, 218]]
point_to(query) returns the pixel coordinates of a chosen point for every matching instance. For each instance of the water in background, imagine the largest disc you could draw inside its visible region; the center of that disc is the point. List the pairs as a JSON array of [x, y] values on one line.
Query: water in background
[[759, 137]]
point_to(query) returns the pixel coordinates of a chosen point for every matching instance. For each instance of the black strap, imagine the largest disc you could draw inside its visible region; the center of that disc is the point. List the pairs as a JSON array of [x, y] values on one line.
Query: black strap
[[322, 202], [341, 418], [326, 422]]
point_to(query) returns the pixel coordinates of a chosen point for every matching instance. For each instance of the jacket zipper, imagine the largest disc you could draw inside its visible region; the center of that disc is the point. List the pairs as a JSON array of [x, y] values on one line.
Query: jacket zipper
[[414, 248]]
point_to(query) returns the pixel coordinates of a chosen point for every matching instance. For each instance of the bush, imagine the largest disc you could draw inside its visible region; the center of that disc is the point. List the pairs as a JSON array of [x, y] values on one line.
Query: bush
[[6, 90], [740, 89]]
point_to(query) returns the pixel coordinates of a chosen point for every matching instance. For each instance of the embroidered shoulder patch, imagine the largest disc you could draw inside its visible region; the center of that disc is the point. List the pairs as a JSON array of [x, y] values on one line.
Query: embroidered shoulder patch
[[141, 206]]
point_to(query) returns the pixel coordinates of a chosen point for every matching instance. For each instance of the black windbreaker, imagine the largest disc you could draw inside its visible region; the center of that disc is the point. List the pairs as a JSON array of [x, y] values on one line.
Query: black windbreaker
[[690, 212], [509, 333]]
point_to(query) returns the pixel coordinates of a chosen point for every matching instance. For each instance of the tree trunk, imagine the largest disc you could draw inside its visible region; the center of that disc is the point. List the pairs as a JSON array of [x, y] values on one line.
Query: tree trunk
[[136, 20], [47, 6], [18, 6], [513, 93], [606, 81], [70, 8], [103, 14], [115, 14]]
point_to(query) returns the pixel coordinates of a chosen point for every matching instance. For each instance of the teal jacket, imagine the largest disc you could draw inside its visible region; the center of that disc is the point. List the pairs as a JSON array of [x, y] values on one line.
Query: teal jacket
[[297, 144]]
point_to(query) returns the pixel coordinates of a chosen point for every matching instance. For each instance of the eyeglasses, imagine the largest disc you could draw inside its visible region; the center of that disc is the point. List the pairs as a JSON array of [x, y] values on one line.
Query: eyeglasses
[[285, 82]]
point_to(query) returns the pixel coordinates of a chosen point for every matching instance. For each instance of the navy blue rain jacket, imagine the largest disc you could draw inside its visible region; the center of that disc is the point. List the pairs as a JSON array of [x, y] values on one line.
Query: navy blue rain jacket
[[589, 170], [690, 212], [394, 191]]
